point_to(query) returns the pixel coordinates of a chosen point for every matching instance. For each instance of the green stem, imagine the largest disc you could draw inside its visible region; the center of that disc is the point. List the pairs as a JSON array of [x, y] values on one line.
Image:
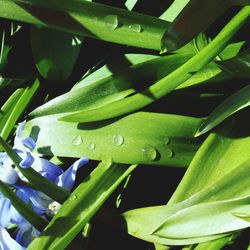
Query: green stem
[[168, 83], [89, 19], [26, 211]]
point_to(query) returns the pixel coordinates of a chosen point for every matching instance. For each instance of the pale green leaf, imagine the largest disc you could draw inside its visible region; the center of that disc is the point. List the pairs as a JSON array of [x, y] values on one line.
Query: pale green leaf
[[163, 139]]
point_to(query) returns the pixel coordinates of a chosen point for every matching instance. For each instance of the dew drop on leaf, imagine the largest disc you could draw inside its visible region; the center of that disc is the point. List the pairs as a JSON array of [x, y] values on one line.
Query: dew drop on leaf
[[135, 27], [91, 146], [118, 140], [166, 140], [77, 140], [169, 153], [72, 197], [111, 22], [149, 152]]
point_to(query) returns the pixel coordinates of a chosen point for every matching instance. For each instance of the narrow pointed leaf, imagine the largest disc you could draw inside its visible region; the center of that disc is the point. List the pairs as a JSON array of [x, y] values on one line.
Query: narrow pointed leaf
[[238, 66], [17, 110], [206, 219], [25, 210], [83, 203], [232, 104]]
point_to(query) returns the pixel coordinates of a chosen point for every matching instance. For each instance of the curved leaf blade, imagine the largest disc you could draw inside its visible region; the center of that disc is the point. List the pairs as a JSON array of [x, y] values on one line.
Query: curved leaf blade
[[231, 105]]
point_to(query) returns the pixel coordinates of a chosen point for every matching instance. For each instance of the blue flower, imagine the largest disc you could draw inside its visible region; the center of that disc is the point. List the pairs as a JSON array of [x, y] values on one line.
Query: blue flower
[[6, 210], [41, 203]]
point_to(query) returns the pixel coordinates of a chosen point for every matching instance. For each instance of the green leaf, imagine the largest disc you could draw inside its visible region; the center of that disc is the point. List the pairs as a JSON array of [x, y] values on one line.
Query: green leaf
[[83, 203], [26, 211], [15, 106], [219, 171], [172, 12], [238, 66], [55, 52], [100, 92], [168, 83], [89, 19], [8, 106], [36, 180], [242, 215], [205, 219], [142, 222], [232, 104], [164, 139], [192, 20]]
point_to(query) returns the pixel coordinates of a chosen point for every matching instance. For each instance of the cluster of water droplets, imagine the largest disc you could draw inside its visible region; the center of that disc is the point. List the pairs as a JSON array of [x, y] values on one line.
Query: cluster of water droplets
[[149, 152], [112, 22]]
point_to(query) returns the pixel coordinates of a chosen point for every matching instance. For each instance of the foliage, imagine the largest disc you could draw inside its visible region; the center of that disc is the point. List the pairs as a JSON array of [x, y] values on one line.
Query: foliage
[[154, 94]]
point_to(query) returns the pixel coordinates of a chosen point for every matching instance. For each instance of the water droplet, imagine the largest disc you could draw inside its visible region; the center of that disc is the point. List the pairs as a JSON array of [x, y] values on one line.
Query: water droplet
[[118, 140], [72, 197], [77, 140], [169, 153], [149, 152], [166, 140], [91, 146], [111, 22], [135, 27]]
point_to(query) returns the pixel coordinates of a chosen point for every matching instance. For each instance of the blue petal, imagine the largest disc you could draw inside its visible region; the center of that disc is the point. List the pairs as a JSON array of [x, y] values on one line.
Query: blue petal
[[3, 156], [28, 142], [8, 174], [47, 168], [20, 129], [26, 234], [38, 199], [5, 206], [16, 217], [27, 160], [67, 179], [7, 243]]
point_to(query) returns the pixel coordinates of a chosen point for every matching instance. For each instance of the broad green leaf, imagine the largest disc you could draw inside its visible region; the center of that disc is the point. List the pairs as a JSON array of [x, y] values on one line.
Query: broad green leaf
[[35, 179], [217, 171], [54, 52], [206, 219], [25, 210], [150, 138], [83, 203], [222, 152], [232, 104], [168, 83], [242, 215], [238, 66], [142, 222], [89, 19]]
